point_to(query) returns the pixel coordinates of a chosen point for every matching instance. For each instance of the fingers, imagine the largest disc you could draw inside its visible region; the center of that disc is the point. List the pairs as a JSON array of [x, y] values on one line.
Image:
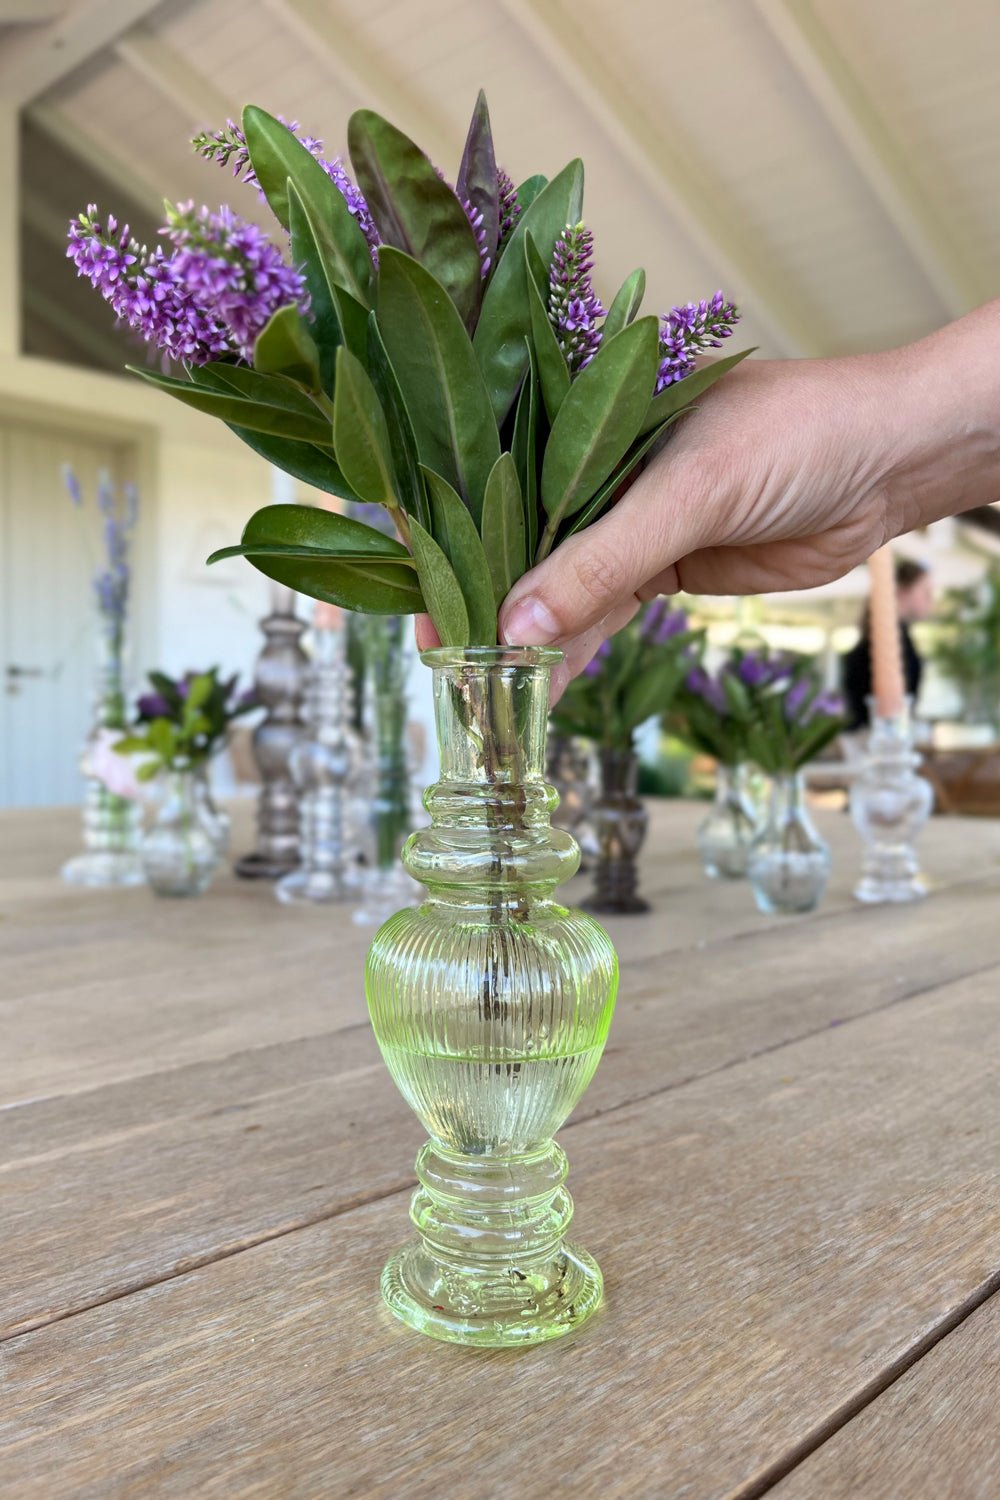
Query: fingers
[[581, 650], [427, 636], [598, 571]]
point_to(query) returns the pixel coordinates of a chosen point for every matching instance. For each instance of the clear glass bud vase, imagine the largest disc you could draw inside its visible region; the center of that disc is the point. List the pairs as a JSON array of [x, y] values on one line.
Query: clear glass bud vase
[[112, 824], [179, 852], [725, 836], [890, 803], [789, 863], [491, 1003]]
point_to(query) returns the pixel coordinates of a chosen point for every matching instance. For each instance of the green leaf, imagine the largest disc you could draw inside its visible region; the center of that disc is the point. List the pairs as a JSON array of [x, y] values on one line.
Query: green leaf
[[438, 376], [455, 533], [360, 434], [605, 494], [268, 390], [414, 209], [285, 347], [477, 175], [313, 465], [199, 691], [599, 419], [441, 589], [322, 291], [402, 443], [524, 447], [252, 415], [683, 392], [529, 191], [628, 300], [503, 527], [505, 319], [553, 372], [651, 692], [331, 557], [277, 156]]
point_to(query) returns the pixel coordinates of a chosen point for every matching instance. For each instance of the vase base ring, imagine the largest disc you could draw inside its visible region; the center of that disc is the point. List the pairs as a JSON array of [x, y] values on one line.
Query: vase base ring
[[104, 868], [873, 892], [514, 1315], [628, 907]]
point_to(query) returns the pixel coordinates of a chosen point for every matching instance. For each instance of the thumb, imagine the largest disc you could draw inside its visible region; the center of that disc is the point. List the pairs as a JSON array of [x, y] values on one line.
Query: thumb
[[598, 571]]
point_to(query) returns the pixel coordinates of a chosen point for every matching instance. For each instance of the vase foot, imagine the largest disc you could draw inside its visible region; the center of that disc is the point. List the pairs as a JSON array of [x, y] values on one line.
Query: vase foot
[[104, 868], [628, 907], [873, 892], [494, 1310], [262, 867]]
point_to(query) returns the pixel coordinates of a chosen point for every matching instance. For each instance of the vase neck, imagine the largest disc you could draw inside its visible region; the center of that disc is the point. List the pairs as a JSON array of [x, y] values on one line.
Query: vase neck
[[732, 783], [788, 797], [619, 770], [491, 841]]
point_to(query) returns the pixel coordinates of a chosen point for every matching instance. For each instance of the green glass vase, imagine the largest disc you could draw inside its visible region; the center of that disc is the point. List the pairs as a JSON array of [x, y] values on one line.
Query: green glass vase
[[491, 1003]]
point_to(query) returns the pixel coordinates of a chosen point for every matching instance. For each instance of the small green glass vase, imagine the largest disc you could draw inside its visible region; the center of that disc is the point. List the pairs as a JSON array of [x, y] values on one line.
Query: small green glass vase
[[491, 1004]]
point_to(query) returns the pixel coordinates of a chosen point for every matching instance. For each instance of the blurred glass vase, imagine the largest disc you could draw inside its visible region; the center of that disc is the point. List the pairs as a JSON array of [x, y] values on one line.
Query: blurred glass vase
[[890, 803], [179, 852], [789, 864], [620, 821], [725, 836], [491, 1004]]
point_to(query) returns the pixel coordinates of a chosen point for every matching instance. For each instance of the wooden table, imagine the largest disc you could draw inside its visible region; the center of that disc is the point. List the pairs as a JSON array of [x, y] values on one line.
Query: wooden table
[[787, 1166]]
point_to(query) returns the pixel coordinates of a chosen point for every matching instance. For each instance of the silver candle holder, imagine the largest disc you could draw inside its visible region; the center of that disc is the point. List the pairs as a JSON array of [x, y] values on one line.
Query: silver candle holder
[[890, 803], [323, 764], [279, 681]]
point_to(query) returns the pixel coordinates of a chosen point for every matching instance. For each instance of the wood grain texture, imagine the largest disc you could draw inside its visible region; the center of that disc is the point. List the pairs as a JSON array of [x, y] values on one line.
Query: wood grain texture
[[120, 1185], [933, 1432], [769, 1246]]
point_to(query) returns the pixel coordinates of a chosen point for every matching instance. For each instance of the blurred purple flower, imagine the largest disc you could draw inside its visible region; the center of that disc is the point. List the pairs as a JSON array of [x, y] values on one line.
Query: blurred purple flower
[[708, 688], [796, 699], [153, 706], [595, 666], [72, 485], [753, 670], [830, 705], [660, 623]]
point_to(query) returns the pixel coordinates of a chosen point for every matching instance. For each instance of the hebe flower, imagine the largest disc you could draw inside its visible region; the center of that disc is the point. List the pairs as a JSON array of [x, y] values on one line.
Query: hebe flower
[[660, 623], [510, 208], [690, 330], [210, 297], [595, 666], [228, 147], [574, 307]]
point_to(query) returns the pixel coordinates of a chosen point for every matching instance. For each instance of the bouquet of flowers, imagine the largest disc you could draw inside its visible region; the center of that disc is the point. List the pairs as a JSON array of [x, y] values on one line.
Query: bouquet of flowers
[[438, 350], [760, 706], [633, 677], [183, 721]]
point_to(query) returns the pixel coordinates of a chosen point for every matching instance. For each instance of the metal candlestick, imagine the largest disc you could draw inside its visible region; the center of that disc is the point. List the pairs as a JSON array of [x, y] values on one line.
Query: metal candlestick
[[279, 680], [890, 804], [323, 764]]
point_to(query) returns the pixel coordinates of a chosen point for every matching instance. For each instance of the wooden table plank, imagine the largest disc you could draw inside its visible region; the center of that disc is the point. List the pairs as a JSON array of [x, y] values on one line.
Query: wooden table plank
[[118, 1186], [97, 987], [770, 1244], [933, 1432]]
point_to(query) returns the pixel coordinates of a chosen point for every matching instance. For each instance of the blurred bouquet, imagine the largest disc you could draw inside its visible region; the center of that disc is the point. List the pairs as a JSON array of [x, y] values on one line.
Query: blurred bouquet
[[760, 706], [183, 721], [633, 677]]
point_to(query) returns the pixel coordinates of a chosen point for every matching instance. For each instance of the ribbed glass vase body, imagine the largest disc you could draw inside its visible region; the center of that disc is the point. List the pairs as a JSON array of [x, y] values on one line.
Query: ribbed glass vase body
[[491, 1003], [725, 836]]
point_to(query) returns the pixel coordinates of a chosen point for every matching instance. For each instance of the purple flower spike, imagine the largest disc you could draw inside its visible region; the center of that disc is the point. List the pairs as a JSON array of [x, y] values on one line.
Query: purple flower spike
[[753, 671], [510, 209], [690, 330], [574, 306], [153, 706], [796, 698], [72, 485], [595, 666]]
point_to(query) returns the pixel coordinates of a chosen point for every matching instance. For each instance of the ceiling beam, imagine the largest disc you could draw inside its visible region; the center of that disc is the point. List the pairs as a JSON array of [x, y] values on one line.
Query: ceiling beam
[[169, 72], [883, 164], [749, 274], [361, 70], [45, 55], [110, 165]]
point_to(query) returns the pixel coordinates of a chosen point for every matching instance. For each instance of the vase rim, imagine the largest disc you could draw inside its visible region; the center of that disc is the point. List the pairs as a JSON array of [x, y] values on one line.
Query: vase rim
[[492, 656]]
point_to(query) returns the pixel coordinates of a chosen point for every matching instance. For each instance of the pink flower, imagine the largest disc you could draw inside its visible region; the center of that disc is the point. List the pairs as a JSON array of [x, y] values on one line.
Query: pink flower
[[116, 772]]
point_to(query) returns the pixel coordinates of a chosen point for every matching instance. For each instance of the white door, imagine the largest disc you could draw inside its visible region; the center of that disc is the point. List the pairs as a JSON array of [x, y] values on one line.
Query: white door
[[48, 552]]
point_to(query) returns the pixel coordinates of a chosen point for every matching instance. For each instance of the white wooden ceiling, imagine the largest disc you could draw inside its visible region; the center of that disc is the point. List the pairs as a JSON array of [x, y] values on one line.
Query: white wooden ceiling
[[833, 164]]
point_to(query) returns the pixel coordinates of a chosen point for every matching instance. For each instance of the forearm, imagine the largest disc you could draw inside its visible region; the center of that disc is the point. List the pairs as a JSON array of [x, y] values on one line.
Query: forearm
[[944, 395]]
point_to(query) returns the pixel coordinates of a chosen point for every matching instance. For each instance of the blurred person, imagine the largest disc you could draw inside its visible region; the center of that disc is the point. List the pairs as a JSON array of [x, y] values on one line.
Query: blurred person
[[914, 601]]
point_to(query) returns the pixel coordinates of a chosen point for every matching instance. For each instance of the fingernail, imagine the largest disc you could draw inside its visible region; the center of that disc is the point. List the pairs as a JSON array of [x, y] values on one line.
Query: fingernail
[[530, 623]]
